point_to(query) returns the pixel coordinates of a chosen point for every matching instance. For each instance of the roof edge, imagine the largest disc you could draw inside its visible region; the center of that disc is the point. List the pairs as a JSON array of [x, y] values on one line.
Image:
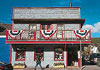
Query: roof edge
[[44, 7]]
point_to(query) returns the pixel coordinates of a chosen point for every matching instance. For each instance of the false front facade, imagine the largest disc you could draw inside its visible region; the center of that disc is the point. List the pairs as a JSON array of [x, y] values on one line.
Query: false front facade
[[53, 32]]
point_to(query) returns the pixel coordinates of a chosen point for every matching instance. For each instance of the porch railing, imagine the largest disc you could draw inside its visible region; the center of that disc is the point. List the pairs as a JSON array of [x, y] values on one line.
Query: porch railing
[[37, 35]]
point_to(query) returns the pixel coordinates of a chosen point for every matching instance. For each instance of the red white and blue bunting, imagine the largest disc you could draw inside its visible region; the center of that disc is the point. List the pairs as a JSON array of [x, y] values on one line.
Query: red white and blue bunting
[[47, 33], [14, 33], [81, 33]]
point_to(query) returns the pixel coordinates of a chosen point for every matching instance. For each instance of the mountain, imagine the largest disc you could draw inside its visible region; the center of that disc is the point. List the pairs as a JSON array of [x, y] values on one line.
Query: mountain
[[96, 41]]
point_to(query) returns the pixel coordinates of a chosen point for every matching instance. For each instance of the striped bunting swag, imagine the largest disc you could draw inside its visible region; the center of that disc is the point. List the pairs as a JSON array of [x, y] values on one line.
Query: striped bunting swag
[[81, 33], [14, 33], [47, 33]]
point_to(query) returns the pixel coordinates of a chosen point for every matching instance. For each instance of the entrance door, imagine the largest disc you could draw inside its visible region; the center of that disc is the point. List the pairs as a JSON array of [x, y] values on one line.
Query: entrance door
[[72, 58]]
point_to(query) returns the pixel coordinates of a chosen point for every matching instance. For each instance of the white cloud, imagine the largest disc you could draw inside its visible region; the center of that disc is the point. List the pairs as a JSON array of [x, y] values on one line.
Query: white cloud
[[94, 28]]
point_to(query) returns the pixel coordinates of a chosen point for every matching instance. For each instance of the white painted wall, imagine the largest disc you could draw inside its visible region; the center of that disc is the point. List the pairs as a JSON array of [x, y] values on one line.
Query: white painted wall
[[29, 60]]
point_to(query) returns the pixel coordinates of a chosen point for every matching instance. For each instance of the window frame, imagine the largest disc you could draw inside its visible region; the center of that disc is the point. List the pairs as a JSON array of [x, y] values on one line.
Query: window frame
[[55, 54], [20, 59]]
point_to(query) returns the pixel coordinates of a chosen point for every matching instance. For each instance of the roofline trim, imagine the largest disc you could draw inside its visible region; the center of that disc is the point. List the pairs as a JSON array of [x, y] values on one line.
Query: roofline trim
[[45, 7]]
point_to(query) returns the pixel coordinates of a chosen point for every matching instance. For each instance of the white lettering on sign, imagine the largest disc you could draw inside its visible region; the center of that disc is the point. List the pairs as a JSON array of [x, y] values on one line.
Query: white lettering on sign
[[46, 13]]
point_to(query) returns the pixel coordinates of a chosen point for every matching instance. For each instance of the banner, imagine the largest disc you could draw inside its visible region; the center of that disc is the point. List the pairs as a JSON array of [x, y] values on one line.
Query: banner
[[47, 33], [81, 33], [14, 33]]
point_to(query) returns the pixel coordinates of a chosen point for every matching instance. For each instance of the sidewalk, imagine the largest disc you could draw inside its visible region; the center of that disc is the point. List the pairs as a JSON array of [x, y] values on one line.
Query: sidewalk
[[50, 69], [87, 67]]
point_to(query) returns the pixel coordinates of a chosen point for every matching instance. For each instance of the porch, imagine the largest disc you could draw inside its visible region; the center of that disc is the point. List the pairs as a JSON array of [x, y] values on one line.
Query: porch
[[71, 68], [43, 36]]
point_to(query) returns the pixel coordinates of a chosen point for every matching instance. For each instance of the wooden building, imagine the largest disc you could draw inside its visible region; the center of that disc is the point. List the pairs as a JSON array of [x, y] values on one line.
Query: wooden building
[[55, 32]]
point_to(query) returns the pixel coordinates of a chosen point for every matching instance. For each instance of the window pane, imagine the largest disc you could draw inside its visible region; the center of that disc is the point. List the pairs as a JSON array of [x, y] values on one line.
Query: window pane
[[59, 55], [71, 26], [38, 26], [20, 53], [43, 26], [48, 27], [60, 27], [33, 27], [59, 35], [31, 34]]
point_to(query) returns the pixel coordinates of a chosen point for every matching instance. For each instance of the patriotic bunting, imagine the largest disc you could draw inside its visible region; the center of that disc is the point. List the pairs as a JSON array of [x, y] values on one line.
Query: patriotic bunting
[[14, 33], [81, 33], [47, 33]]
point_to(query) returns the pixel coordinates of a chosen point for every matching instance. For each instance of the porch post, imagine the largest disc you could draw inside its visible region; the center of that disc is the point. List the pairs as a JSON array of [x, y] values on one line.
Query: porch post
[[66, 55], [80, 54]]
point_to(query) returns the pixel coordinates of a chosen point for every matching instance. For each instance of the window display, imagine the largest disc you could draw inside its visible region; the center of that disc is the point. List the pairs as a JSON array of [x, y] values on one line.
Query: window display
[[59, 54], [20, 53]]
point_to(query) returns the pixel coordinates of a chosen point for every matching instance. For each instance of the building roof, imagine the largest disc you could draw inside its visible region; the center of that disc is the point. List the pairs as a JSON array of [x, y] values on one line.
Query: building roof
[[76, 21], [4, 27], [43, 7], [54, 20]]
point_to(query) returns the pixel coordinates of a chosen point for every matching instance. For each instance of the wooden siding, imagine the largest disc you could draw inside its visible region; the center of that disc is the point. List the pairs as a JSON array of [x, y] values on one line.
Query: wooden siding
[[55, 26], [46, 13], [21, 27], [29, 57], [71, 26]]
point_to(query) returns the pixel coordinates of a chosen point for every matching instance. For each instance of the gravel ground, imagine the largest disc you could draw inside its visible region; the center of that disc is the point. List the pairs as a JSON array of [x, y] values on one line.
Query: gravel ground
[[91, 67]]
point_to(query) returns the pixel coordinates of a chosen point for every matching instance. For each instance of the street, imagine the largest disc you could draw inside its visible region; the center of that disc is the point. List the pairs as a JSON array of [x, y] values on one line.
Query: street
[[91, 67], [87, 67]]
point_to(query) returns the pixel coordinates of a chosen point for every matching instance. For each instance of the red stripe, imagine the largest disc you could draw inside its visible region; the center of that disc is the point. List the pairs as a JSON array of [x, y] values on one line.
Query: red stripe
[[48, 30], [82, 31], [14, 30], [49, 42], [10, 59], [79, 62]]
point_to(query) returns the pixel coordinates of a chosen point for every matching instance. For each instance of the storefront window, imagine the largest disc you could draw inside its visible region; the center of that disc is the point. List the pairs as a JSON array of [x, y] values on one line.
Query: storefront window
[[59, 54], [20, 53], [38, 52]]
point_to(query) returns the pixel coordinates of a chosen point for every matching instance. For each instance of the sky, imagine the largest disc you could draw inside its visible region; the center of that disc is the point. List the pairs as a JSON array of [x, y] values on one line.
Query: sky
[[4, 50], [90, 10]]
